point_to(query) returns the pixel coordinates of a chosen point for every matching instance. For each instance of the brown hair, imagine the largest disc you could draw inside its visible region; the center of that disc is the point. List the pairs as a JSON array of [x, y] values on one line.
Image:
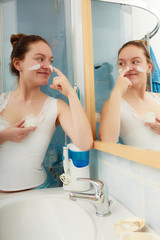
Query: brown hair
[[141, 44], [21, 43]]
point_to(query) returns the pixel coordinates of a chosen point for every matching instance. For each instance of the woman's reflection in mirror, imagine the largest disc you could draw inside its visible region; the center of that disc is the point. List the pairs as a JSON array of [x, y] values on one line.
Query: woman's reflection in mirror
[[132, 113]]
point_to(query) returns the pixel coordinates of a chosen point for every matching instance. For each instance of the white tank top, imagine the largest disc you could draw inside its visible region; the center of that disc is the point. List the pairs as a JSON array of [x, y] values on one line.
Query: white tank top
[[134, 132], [21, 163]]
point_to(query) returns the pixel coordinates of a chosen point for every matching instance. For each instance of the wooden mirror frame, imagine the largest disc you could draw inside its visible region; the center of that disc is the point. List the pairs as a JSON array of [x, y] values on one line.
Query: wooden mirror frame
[[140, 155]]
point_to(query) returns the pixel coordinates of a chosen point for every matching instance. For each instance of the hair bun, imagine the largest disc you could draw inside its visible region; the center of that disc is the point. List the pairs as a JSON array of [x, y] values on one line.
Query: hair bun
[[14, 39]]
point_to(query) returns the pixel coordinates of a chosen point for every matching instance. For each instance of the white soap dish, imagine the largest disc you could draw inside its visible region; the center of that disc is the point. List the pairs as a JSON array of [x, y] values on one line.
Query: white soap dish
[[129, 225], [139, 236]]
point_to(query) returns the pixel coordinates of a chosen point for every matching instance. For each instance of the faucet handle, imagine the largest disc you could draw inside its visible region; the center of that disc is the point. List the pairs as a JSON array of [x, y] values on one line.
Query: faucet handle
[[97, 184]]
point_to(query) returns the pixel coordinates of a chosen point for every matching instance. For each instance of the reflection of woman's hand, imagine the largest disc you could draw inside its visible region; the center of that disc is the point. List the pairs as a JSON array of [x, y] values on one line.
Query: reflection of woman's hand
[[16, 132], [61, 83], [122, 82], [155, 126]]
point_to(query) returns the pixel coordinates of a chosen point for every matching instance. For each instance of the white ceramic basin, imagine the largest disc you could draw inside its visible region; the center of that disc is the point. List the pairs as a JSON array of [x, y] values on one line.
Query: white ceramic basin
[[49, 214], [45, 217]]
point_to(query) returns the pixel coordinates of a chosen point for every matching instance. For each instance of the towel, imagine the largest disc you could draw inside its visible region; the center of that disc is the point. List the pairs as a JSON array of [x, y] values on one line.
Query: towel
[[155, 73]]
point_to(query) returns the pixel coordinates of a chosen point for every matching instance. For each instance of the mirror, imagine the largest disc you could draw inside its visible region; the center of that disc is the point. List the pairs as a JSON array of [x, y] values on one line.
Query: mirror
[[109, 34], [144, 156]]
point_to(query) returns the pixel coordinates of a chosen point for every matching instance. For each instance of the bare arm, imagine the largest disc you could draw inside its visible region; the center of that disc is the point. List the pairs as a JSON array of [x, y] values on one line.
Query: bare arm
[[72, 118], [109, 128]]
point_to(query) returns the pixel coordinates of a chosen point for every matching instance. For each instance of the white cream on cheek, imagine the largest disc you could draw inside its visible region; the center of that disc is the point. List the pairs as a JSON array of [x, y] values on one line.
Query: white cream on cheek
[[120, 69], [140, 69], [50, 66], [35, 67]]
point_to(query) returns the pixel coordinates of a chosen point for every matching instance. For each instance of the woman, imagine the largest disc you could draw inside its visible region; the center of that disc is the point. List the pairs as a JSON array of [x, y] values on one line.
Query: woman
[[124, 114], [22, 149]]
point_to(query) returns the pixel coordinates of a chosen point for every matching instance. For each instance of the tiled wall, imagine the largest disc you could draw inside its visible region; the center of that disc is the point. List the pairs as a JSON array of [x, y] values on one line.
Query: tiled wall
[[135, 185], [104, 82]]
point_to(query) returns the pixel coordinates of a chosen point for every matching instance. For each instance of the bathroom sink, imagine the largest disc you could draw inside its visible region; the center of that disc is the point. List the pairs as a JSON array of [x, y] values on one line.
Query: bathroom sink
[[45, 217], [49, 214]]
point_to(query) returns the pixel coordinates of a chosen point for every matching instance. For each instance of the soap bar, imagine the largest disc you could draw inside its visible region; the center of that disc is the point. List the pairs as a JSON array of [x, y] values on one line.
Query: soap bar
[[30, 121], [129, 225], [150, 117]]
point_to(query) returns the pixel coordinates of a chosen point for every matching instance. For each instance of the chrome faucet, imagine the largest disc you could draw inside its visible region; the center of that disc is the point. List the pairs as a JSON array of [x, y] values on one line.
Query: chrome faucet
[[99, 198]]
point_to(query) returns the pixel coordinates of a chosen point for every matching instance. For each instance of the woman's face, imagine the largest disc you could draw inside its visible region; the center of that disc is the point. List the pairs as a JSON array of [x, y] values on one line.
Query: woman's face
[[134, 58], [36, 66]]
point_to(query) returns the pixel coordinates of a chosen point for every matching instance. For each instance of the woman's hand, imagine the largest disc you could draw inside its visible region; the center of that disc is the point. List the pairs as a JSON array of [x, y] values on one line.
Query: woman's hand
[[154, 126], [61, 83], [15, 132], [122, 82]]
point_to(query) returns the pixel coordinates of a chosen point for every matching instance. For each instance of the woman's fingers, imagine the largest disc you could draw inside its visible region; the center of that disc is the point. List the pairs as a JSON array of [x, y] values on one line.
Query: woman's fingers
[[28, 129], [19, 123], [61, 83], [56, 85], [59, 73], [155, 127], [122, 73], [158, 119], [23, 132]]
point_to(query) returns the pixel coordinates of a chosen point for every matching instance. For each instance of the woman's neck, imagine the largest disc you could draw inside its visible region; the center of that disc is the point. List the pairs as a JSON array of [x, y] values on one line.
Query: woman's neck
[[27, 93], [133, 93]]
